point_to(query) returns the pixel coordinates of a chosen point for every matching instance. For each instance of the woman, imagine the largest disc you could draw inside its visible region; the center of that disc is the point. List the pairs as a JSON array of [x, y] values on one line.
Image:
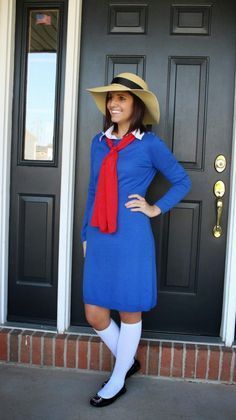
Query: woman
[[120, 262]]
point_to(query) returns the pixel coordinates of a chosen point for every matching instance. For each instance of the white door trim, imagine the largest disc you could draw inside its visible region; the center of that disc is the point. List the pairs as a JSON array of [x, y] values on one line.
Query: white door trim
[[68, 164], [7, 40], [229, 300]]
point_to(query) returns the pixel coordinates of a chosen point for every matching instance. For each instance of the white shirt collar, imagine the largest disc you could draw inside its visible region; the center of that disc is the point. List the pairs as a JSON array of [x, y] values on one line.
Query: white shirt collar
[[108, 133]]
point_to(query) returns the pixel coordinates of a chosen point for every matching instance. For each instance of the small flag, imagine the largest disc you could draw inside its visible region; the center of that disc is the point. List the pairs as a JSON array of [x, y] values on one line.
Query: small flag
[[42, 19]]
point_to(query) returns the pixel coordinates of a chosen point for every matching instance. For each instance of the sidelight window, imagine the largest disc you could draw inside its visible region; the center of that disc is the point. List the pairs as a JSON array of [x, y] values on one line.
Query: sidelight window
[[40, 86]]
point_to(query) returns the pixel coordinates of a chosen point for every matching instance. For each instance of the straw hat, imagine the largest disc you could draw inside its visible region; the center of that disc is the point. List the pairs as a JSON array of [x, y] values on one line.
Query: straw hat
[[131, 83]]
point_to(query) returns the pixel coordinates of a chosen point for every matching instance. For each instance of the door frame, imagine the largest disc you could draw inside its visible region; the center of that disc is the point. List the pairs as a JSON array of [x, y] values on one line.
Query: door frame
[[7, 32]]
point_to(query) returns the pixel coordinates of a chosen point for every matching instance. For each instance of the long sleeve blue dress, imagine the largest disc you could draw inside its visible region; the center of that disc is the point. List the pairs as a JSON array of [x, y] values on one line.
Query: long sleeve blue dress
[[120, 268]]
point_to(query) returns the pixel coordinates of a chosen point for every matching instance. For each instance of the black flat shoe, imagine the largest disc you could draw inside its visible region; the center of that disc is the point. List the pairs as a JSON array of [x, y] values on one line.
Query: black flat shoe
[[134, 368], [98, 401]]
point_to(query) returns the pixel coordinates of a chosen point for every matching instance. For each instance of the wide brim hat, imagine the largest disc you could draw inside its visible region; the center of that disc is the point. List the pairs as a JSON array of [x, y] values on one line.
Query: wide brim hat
[[131, 83]]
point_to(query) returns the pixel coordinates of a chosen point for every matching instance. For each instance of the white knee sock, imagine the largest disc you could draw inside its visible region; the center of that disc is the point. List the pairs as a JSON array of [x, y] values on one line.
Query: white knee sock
[[110, 336], [126, 349]]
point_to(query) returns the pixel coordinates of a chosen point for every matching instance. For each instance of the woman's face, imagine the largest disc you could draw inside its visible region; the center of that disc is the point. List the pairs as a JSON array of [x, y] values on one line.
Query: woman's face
[[120, 106]]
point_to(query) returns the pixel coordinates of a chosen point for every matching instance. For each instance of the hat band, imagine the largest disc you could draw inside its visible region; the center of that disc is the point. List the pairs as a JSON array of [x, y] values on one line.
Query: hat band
[[126, 82]]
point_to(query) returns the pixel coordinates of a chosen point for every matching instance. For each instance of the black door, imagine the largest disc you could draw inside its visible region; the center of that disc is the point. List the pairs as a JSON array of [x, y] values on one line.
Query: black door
[[36, 160], [186, 52]]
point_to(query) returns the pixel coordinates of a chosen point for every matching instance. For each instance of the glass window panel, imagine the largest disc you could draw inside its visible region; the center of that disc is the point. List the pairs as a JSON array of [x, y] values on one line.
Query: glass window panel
[[41, 74]]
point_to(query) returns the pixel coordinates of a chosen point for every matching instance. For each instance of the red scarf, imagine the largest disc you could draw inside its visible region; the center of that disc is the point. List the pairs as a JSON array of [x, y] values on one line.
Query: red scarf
[[106, 200]]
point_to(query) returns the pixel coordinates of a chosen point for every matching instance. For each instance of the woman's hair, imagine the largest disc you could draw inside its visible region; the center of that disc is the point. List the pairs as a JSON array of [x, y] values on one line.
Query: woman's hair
[[136, 119]]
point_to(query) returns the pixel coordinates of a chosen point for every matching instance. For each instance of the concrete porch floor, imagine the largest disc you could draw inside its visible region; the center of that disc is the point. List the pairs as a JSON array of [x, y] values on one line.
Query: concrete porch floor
[[36, 393]]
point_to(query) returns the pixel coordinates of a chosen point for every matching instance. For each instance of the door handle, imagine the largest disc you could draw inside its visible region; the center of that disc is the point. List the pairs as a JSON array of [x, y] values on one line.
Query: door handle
[[217, 229], [219, 191]]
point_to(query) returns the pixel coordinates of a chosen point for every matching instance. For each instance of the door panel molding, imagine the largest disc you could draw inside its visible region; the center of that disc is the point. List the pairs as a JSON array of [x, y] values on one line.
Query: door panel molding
[[187, 126], [115, 64], [183, 253], [35, 243], [191, 19], [127, 19]]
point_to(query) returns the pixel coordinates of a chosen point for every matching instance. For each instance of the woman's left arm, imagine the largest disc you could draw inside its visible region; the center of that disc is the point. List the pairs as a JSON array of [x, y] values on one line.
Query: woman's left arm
[[165, 162]]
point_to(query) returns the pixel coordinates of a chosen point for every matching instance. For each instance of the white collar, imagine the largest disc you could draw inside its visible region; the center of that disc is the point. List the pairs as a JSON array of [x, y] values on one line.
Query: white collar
[[109, 134]]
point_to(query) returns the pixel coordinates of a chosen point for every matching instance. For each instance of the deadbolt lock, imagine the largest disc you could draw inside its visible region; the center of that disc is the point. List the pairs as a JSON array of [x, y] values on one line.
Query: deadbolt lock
[[220, 163]]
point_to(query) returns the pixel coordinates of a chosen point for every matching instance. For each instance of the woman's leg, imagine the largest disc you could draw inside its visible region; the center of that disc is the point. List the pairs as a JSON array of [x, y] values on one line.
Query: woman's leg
[[129, 337], [99, 318], [130, 317]]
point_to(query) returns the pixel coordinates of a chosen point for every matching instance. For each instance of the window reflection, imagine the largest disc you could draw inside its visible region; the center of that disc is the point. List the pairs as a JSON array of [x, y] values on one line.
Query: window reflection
[[41, 85]]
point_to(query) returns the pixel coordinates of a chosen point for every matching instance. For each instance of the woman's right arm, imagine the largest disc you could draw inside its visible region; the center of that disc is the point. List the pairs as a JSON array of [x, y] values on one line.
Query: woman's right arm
[[90, 199]]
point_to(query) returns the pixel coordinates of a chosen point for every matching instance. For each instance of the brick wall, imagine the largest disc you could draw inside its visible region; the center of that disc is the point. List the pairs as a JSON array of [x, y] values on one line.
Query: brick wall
[[197, 362]]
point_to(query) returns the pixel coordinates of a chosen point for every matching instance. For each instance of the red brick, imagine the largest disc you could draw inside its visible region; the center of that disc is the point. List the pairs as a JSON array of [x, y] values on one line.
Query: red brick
[[106, 358], [60, 345], [7, 330], [113, 361], [190, 360], [142, 355], [3, 344], [48, 349], [226, 364], [214, 363], [94, 353], [153, 358], [89, 355], [83, 352], [36, 347], [71, 351], [25, 346], [165, 359], [201, 369], [234, 368], [177, 368], [14, 338]]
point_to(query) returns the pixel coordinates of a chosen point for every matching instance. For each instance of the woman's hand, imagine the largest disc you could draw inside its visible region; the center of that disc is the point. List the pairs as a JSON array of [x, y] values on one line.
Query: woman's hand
[[140, 204], [84, 247]]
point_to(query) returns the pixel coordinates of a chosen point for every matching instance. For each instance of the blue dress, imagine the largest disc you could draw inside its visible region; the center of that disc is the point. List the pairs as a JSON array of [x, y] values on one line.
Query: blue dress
[[120, 268]]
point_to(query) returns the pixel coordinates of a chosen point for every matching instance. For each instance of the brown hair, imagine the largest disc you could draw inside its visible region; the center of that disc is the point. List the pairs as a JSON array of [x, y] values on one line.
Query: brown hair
[[136, 119]]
